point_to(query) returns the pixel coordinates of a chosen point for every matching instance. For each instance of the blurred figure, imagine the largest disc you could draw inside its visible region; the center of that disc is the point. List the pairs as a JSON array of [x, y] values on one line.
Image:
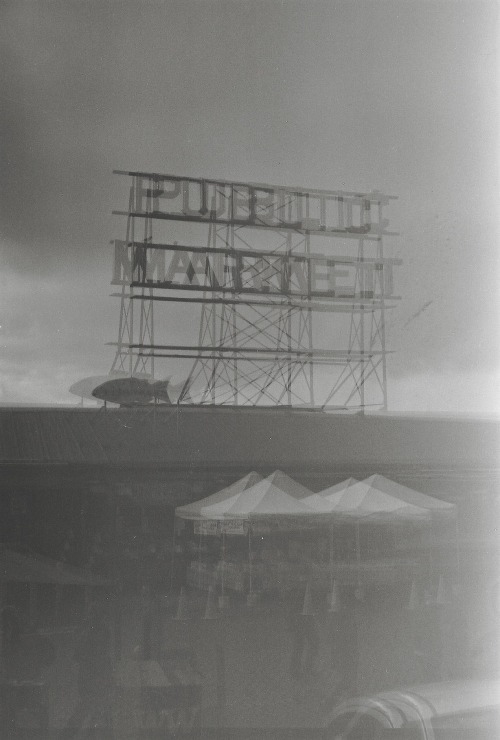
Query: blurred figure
[[69, 548], [485, 656], [301, 618], [456, 641], [24, 658], [151, 574], [11, 644], [11, 641], [93, 655], [305, 644], [147, 623], [429, 642], [181, 561], [345, 645]]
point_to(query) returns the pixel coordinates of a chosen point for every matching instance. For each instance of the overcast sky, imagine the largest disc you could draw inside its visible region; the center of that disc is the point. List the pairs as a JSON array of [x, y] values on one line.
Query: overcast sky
[[397, 96]]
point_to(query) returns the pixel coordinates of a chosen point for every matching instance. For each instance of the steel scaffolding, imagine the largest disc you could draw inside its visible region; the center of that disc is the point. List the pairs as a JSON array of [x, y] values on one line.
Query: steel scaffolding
[[259, 284]]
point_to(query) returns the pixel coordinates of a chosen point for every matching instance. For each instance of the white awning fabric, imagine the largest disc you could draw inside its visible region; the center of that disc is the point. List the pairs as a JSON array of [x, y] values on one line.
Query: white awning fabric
[[278, 495], [380, 499], [376, 498], [221, 500], [262, 499]]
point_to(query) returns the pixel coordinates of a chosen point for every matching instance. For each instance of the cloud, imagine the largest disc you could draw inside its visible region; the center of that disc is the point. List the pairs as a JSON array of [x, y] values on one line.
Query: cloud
[[395, 96], [449, 391], [52, 333]]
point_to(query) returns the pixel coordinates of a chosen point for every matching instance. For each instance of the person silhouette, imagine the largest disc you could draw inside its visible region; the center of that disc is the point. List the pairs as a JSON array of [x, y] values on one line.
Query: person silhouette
[[302, 621], [93, 655], [345, 648]]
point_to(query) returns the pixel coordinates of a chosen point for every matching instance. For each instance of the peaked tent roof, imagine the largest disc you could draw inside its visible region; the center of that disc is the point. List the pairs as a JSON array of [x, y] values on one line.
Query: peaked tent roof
[[288, 485], [221, 499], [325, 501], [279, 495], [408, 494], [265, 498], [384, 500]]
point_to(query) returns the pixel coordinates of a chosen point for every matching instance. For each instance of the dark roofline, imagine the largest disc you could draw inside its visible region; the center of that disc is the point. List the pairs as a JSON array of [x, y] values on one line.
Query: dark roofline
[[178, 436]]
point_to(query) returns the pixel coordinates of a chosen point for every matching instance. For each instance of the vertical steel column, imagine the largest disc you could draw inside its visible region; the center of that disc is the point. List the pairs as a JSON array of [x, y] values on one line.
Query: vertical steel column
[[131, 292], [234, 326], [380, 253], [362, 348], [124, 356], [310, 326], [126, 313], [289, 327], [146, 325]]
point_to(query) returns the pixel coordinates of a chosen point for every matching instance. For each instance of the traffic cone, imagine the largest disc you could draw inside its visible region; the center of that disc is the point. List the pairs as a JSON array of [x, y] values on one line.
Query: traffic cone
[[307, 607], [441, 592], [334, 599], [413, 600], [182, 606], [211, 607]]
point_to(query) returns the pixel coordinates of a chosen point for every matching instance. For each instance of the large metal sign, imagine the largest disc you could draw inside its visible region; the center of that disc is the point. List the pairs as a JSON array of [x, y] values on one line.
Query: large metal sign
[[252, 272], [256, 205], [260, 260]]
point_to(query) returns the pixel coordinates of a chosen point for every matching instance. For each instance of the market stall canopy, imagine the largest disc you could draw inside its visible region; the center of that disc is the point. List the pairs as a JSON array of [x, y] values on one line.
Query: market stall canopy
[[293, 488], [221, 500], [325, 501], [16, 567], [264, 499], [378, 498], [408, 495]]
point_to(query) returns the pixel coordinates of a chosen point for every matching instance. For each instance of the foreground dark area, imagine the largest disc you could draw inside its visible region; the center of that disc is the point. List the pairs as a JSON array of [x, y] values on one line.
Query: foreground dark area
[[114, 623]]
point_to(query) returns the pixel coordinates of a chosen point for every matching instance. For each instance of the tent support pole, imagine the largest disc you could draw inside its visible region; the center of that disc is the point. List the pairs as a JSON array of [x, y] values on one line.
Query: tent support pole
[[430, 535], [457, 549], [250, 585], [223, 595], [358, 557], [331, 556], [172, 564]]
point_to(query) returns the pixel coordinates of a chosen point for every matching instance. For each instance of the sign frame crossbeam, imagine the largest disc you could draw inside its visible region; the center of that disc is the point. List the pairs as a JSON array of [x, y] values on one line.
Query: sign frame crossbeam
[[256, 337]]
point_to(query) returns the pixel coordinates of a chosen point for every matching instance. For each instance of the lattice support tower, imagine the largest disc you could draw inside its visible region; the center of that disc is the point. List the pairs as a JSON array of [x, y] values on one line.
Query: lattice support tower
[[126, 360], [254, 279]]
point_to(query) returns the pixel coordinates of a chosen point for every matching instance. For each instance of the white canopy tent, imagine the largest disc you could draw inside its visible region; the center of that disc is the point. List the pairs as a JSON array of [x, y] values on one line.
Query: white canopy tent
[[379, 500], [326, 501], [263, 499], [249, 501], [254, 504], [220, 500], [290, 486]]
